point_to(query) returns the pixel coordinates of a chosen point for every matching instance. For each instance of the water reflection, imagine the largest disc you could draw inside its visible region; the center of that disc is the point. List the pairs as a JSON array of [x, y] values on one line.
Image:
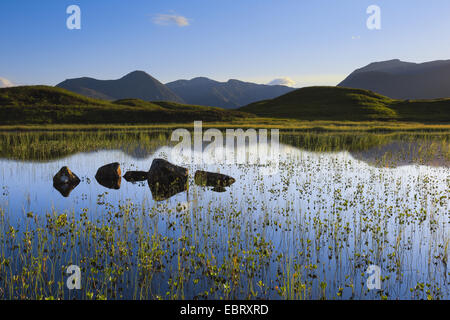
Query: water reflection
[[66, 188], [109, 182], [334, 209], [397, 148], [164, 191]]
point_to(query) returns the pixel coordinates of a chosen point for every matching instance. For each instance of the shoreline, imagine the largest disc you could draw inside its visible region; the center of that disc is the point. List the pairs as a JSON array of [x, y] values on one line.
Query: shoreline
[[282, 124]]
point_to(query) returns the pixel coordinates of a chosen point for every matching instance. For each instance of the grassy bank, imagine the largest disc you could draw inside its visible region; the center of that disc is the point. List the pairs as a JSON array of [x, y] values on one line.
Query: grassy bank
[[316, 108], [263, 123]]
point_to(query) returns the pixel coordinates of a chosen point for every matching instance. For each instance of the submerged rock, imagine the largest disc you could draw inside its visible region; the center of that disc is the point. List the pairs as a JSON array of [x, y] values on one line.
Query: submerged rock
[[65, 181], [135, 176], [166, 179], [211, 179], [109, 176]]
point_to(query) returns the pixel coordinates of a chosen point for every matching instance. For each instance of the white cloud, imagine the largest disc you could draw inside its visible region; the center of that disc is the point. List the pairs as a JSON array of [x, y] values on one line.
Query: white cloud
[[168, 19], [301, 80], [282, 81], [5, 83]]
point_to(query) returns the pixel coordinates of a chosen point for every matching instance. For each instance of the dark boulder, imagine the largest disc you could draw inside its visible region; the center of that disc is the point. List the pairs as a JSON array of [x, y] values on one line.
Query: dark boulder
[[109, 176], [211, 179], [111, 170], [135, 176], [164, 172], [65, 181], [166, 179], [65, 176]]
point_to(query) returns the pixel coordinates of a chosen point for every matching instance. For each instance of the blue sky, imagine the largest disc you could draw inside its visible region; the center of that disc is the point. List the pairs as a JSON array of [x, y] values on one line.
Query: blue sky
[[311, 42]]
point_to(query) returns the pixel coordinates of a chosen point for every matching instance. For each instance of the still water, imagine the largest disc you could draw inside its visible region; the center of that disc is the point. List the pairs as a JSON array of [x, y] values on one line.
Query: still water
[[310, 230]]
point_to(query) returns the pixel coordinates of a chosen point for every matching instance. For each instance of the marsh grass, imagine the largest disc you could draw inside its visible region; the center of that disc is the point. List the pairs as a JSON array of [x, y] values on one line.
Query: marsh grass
[[315, 245], [42, 146], [133, 252]]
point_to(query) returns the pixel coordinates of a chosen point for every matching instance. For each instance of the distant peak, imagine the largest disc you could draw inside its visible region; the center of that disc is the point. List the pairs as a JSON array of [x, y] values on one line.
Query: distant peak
[[385, 66], [138, 74]]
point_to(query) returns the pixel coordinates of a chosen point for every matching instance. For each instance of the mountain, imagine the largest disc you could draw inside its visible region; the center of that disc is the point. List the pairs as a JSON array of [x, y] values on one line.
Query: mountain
[[137, 85], [50, 105], [403, 80], [228, 95], [335, 103]]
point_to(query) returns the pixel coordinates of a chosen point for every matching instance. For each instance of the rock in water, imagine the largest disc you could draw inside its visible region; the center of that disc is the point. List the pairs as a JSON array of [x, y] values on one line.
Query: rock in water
[[163, 171], [65, 176], [65, 181], [135, 176], [166, 179], [109, 176], [212, 179], [111, 170]]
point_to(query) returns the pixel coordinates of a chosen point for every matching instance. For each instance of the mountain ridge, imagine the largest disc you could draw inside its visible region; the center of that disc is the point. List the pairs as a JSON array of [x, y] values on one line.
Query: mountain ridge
[[229, 95], [197, 91], [137, 84], [403, 80]]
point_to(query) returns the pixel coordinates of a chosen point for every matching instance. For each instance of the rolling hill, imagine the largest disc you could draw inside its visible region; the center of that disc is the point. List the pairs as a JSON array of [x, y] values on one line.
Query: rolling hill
[[137, 85], [50, 105], [403, 80], [228, 95], [335, 103]]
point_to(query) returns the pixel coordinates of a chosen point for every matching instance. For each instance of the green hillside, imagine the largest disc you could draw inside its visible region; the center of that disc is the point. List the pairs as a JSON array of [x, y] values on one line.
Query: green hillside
[[50, 105], [335, 103]]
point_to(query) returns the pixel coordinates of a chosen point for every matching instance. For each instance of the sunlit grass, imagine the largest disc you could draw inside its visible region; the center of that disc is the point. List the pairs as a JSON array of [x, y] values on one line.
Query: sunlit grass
[[269, 123]]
